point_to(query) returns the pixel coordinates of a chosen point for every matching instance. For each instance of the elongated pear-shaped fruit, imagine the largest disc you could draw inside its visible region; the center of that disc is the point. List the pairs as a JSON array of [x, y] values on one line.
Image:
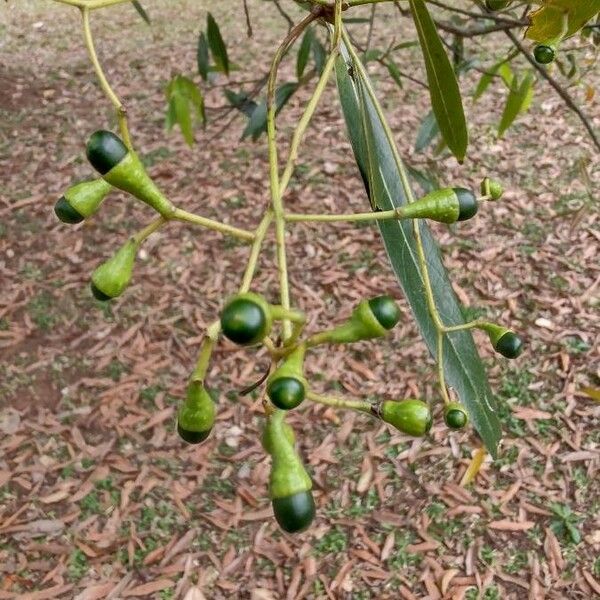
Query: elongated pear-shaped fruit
[[409, 416], [196, 416], [286, 387], [122, 168], [446, 205], [246, 319], [111, 278], [370, 319], [81, 200], [288, 431], [289, 484]]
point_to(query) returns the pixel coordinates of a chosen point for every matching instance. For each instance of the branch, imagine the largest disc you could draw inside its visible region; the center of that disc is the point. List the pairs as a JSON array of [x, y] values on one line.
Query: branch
[[558, 88]]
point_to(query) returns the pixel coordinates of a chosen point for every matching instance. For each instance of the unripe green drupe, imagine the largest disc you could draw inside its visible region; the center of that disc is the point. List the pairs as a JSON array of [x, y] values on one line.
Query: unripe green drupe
[[544, 54], [455, 415], [196, 416], [246, 319], [111, 278], [81, 200], [409, 416]]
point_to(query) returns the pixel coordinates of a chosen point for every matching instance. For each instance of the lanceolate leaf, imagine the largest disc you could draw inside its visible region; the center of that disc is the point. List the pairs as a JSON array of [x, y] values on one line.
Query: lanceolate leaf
[[382, 176], [141, 11], [258, 119], [304, 52], [202, 56], [186, 106], [217, 45], [518, 101], [427, 132], [443, 85]]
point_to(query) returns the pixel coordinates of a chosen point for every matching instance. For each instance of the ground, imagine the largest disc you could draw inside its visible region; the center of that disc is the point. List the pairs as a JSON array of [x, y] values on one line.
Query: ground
[[98, 496]]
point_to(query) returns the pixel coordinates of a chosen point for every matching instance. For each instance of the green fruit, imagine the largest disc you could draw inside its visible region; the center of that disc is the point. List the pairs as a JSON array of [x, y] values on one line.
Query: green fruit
[[81, 201], [289, 483], [494, 5], [446, 205], [363, 324], [385, 310], [543, 54], [66, 213], [121, 167], [294, 513], [467, 204], [105, 150], [286, 392], [286, 386], [455, 415], [111, 278], [509, 345], [412, 417], [196, 416], [246, 319]]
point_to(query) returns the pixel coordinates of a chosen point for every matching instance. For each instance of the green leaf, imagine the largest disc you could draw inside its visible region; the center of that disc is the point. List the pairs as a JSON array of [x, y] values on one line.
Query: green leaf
[[428, 131], [426, 181], [319, 55], [241, 101], [443, 85], [185, 106], [382, 176], [202, 56], [394, 73], [518, 101], [141, 11], [217, 45], [257, 124], [304, 52], [559, 19], [501, 69]]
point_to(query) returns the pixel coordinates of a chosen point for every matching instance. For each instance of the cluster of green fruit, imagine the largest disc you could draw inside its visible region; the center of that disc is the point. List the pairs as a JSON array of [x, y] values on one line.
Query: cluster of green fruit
[[248, 319]]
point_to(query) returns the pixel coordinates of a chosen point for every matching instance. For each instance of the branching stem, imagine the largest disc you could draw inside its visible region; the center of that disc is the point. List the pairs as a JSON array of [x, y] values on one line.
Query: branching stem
[[242, 234]]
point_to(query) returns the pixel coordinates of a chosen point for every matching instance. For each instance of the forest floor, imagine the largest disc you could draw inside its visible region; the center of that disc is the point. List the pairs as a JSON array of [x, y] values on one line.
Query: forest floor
[[98, 496]]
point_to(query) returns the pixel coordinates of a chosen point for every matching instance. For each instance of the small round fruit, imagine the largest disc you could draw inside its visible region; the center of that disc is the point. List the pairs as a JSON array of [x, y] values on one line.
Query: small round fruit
[[192, 437], [509, 345], [104, 150], [386, 311], [286, 392], [410, 416], [244, 322], [455, 416], [99, 294], [543, 54], [294, 513], [494, 5], [467, 204], [66, 213]]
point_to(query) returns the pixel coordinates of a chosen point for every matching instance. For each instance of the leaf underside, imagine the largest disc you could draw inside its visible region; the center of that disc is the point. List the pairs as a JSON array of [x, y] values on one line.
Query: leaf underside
[[381, 174]]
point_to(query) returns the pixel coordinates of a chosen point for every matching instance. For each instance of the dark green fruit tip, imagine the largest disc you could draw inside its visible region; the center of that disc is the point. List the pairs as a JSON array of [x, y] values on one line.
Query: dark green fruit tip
[[286, 392], [509, 345], [104, 150], [99, 294], [456, 417], [244, 321], [386, 311], [295, 513], [66, 213], [192, 437], [467, 204], [543, 54]]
